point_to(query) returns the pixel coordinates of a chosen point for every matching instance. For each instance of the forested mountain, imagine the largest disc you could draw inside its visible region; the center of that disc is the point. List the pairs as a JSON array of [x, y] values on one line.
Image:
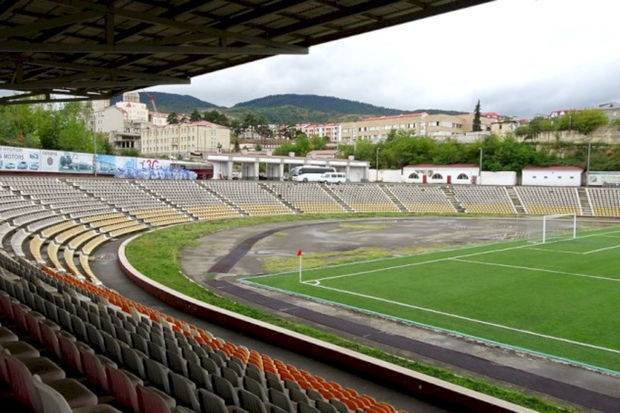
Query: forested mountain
[[171, 102], [326, 104]]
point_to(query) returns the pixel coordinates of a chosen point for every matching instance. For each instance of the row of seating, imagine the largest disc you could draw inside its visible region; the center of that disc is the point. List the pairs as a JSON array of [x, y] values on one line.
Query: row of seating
[[249, 197], [429, 199], [484, 200], [549, 200], [309, 197], [365, 198]]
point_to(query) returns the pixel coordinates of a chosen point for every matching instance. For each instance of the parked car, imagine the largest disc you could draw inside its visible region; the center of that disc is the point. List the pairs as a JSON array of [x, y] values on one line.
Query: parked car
[[22, 165], [10, 165], [334, 178]]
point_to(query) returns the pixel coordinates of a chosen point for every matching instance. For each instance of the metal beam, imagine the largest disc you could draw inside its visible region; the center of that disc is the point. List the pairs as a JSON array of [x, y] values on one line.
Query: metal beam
[[82, 84], [146, 48], [44, 99], [40, 26], [99, 70]]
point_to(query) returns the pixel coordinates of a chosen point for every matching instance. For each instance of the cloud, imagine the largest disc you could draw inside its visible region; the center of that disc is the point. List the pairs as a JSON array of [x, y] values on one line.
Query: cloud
[[519, 57]]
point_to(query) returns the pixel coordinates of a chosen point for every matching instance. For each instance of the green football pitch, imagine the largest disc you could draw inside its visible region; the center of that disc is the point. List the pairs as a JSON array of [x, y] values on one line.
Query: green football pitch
[[560, 298]]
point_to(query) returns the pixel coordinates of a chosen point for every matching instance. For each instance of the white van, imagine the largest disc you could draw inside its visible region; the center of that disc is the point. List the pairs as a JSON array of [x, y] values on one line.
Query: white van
[[334, 178]]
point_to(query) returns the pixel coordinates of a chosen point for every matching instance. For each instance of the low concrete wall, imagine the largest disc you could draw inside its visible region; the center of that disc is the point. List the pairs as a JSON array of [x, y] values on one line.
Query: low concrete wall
[[417, 384]]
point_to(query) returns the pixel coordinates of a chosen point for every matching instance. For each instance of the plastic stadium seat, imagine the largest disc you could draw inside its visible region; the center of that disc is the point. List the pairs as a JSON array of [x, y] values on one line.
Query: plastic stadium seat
[[211, 402], [22, 384], [184, 391], [304, 408], [199, 376], [251, 402], [7, 336], [325, 407], [157, 374], [69, 351], [255, 387], [281, 400], [152, 400], [54, 402], [225, 390], [134, 360], [94, 368], [123, 386]]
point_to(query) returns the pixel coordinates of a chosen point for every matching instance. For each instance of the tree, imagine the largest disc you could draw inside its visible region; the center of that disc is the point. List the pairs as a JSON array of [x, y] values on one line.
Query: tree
[[217, 117], [195, 116], [588, 120], [236, 147], [173, 118], [258, 147], [477, 125]]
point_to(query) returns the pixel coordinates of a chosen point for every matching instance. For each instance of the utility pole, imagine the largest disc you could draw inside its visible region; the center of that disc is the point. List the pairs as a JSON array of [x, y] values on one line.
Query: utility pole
[[95, 154], [588, 164], [377, 164], [480, 167]]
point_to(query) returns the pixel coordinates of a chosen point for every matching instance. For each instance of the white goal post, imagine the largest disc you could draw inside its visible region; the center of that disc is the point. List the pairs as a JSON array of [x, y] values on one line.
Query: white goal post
[[559, 225]]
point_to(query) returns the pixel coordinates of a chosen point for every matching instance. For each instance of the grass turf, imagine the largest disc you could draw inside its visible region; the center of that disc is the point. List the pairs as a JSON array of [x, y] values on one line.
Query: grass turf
[[560, 298], [156, 255]]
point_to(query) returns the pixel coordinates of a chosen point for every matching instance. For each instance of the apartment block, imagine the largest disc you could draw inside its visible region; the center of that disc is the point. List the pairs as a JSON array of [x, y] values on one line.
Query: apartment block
[[183, 139], [331, 131], [440, 126]]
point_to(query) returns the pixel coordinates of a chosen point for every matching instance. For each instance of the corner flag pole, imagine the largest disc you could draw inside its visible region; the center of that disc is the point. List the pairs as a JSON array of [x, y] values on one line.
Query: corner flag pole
[[300, 254]]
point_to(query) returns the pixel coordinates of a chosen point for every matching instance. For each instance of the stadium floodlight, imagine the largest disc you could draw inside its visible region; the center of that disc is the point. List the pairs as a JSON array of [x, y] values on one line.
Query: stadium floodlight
[[559, 226]]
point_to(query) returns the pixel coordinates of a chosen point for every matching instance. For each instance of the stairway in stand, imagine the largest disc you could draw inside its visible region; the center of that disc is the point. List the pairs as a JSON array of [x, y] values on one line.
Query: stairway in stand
[[584, 200], [449, 192], [279, 197], [395, 200], [516, 200], [336, 198]]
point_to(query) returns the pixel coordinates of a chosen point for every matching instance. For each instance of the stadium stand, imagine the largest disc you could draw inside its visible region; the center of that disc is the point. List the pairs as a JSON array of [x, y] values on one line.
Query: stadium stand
[[309, 197], [538, 200], [249, 197], [422, 199], [115, 354], [605, 201], [484, 199], [364, 197]]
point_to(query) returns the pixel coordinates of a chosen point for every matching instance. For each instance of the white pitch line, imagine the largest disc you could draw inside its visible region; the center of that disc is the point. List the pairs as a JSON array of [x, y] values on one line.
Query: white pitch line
[[539, 269], [601, 249], [553, 250], [413, 264], [473, 320]]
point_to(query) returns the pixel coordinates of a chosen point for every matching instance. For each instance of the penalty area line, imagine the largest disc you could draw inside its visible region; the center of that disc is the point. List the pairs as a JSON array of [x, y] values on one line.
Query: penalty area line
[[519, 267], [469, 319]]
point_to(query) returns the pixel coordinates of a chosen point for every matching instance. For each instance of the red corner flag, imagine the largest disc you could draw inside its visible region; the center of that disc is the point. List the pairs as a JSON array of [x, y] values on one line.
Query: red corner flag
[[299, 253]]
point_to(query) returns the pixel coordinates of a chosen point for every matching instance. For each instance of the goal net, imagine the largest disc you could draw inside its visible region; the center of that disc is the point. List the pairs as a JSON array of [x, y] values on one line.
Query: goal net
[[552, 228]]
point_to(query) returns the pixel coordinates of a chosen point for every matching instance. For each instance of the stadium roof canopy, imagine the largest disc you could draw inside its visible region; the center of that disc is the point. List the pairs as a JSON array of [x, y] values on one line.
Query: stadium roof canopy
[[59, 50]]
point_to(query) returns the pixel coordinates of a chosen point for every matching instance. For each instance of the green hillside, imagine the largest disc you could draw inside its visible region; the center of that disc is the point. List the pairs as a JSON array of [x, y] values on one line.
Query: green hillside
[[172, 102]]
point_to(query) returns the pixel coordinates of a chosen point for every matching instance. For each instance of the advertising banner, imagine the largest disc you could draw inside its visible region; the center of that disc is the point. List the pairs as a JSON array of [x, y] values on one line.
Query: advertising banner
[[604, 178], [14, 159]]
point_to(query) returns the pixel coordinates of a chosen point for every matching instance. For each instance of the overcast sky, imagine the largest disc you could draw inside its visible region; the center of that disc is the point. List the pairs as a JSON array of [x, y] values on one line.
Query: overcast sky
[[520, 57]]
